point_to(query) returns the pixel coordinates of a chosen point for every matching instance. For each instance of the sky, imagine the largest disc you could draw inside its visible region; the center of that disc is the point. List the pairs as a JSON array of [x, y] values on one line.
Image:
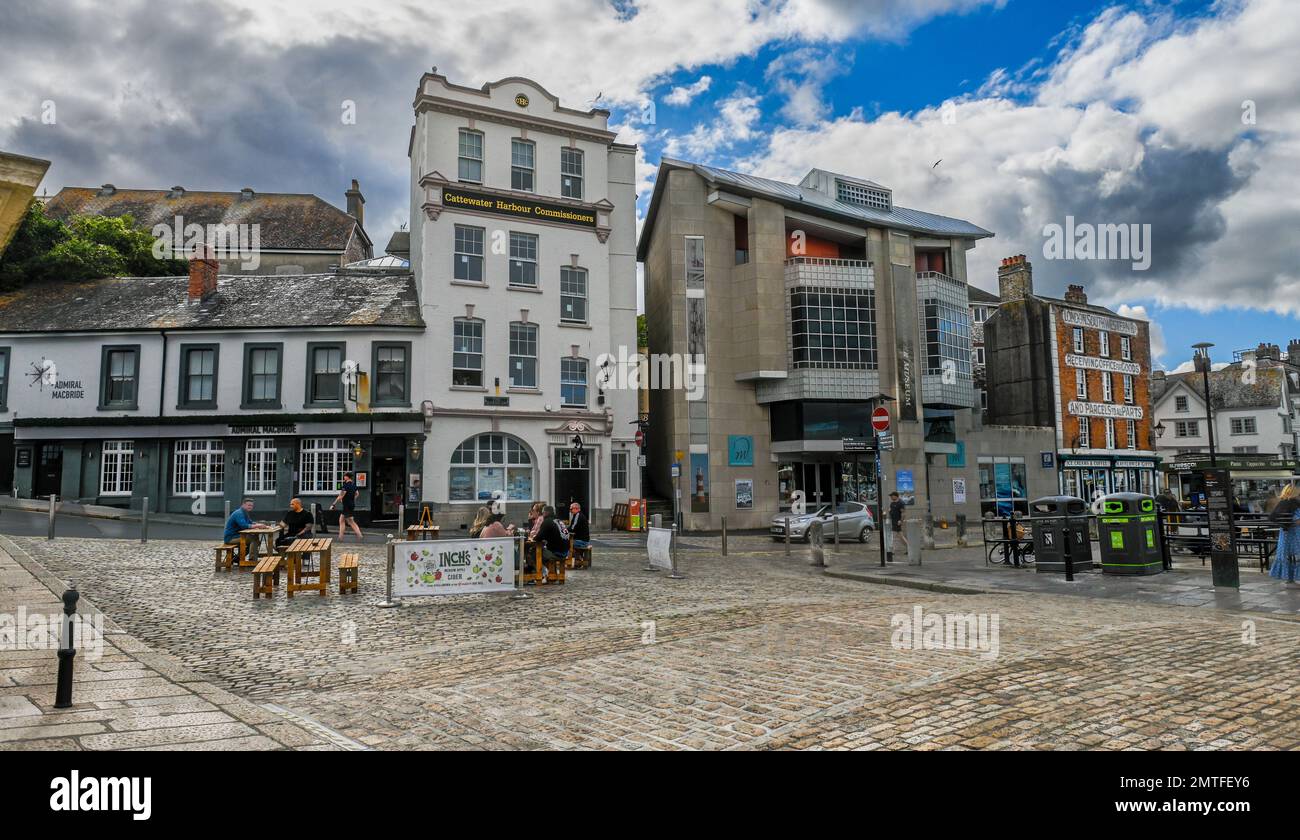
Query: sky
[[1179, 121]]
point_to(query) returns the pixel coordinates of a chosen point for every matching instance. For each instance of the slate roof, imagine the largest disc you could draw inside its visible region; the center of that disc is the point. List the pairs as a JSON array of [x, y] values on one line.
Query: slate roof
[[245, 301], [1228, 388], [801, 198], [287, 221], [978, 295]]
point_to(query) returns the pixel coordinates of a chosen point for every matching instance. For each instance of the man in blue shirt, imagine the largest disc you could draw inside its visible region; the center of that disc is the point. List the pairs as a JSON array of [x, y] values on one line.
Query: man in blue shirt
[[239, 520]]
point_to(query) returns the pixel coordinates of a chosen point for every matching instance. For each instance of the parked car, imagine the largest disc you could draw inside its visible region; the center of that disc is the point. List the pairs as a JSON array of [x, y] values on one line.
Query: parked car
[[855, 520]]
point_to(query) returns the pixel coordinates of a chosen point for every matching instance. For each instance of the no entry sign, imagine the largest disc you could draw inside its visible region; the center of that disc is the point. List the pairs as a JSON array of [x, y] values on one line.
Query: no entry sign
[[880, 419]]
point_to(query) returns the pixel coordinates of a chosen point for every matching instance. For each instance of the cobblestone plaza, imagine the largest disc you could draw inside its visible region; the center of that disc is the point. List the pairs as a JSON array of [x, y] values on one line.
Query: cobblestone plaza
[[751, 651]]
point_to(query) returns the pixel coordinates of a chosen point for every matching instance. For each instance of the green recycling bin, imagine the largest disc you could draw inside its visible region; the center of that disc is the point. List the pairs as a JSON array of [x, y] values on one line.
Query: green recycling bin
[[1060, 521], [1130, 535]]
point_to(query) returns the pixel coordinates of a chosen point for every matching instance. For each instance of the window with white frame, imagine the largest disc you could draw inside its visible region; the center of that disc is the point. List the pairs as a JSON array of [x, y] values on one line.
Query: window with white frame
[[468, 259], [573, 295], [523, 260], [1085, 432], [573, 381], [1103, 343], [199, 467], [487, 463], [470, 160], [1078, 339], [467, 352], [571, 173], [117, 468], [523, 355], [1081, 383], [1110, 432], [1125, 348], [259, 466], [1107, 388], [618, 470], [1187, 428], [522, 165], [1131, 434], [1128, 389], [1243, 425], [1180, 404], [322, 463]]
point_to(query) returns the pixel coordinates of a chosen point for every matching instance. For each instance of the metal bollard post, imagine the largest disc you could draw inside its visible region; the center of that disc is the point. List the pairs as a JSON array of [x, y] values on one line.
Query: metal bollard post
[[1069, 555], [674, 574], [1166, 559], [144, 522], [63, 689], [724, 536], [837, 533], [315, 518], [519, 593], [401, 520], [388, 602], [815, 544], [51, 534], [227, 514], [787, 536]]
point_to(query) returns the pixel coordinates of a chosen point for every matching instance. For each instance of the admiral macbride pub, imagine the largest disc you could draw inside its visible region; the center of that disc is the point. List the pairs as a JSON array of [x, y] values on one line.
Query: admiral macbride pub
[[176, 388]]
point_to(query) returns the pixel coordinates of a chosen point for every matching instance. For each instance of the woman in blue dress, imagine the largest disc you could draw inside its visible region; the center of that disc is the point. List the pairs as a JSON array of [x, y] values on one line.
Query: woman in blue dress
[[1286, 560]]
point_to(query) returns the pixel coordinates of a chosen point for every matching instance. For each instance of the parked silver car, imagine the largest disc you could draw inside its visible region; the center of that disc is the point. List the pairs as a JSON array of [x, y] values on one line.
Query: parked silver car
[[855, 521]]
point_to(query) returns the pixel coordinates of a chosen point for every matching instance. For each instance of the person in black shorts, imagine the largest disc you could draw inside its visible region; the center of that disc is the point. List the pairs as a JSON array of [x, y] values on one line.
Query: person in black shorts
[[296, 522], [347, 497]]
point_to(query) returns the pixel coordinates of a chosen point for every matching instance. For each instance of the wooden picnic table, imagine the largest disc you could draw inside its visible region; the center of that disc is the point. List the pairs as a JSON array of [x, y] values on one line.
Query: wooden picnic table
[[422, 532], [297, 561], [251, 541]]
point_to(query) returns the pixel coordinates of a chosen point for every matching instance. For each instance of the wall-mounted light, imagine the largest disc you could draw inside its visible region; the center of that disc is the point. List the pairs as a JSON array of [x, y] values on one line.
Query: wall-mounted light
[[415, 449], [357, 451]]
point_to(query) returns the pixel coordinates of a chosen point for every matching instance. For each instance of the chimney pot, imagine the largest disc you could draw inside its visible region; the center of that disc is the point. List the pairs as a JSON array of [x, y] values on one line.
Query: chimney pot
[[356, 203], [1015, 279], [1076, 294]]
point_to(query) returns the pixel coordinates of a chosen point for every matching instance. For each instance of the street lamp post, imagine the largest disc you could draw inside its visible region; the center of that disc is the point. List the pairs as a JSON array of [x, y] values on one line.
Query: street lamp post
[[1202, 361]]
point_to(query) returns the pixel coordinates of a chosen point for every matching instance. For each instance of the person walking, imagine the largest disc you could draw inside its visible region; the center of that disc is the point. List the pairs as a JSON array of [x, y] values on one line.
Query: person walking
[[896, 508], [347, 497], [1286, 514]]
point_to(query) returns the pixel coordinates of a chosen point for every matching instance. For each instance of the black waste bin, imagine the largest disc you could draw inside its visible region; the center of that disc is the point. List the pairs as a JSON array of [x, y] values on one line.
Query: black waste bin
[[1058, 521], [1129, 535]]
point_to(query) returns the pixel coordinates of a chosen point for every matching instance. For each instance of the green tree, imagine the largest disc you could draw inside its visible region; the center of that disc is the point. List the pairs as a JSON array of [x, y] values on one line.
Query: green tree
[[44, 248], [642, 339]]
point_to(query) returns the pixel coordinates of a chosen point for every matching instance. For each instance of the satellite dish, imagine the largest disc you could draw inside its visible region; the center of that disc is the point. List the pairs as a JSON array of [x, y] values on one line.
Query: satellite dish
[[349, 372]]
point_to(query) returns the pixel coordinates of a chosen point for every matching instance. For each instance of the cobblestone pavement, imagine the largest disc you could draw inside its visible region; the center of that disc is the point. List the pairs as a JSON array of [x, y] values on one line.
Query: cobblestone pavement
[[750, 651], [127, 696]]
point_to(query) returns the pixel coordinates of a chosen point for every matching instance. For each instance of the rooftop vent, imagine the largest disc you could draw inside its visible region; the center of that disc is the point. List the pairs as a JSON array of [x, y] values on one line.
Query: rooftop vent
[[246, 193], [107, 189], [177, 192], [848, 190]]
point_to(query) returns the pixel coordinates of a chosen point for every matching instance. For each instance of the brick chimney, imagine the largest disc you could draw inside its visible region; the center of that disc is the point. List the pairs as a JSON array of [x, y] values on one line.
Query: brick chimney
[[1076, 294], [356, 203], [203, 277], [1015, 278], [1266, 350], [1293, 351]]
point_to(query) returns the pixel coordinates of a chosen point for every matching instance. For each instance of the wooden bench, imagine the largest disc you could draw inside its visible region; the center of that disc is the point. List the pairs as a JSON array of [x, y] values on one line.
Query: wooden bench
[[348, 568], [579, 558], [224, 555], [553, 569], [266, 576]]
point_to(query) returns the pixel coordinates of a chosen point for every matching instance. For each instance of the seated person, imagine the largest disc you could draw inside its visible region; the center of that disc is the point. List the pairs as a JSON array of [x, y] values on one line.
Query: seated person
[[240, 520], [555, 546], [579, 527], [297, 524], [495, 528]]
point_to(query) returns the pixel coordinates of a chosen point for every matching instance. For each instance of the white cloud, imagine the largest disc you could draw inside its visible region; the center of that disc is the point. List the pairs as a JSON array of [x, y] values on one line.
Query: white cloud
[[682, 95], [738, 116], [1156, 332]]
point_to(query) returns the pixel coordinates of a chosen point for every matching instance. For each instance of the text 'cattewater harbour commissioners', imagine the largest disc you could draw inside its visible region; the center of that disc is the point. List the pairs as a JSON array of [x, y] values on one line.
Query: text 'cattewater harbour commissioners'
[[539, 210]]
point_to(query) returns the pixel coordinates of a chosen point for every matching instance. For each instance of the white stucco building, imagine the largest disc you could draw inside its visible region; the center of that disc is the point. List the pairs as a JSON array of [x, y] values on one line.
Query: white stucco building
[[523, 247]]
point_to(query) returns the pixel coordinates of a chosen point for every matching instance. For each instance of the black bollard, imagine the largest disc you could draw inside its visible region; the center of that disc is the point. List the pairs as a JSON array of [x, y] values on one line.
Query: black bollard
[[63, 691], [1069, 556]]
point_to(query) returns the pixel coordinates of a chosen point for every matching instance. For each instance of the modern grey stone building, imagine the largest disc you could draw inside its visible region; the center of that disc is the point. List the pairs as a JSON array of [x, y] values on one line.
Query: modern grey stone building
[[809, 305]]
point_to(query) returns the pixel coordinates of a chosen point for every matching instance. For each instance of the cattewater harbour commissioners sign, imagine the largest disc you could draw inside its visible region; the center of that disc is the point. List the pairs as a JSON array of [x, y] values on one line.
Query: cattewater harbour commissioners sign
[[518, 207]]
